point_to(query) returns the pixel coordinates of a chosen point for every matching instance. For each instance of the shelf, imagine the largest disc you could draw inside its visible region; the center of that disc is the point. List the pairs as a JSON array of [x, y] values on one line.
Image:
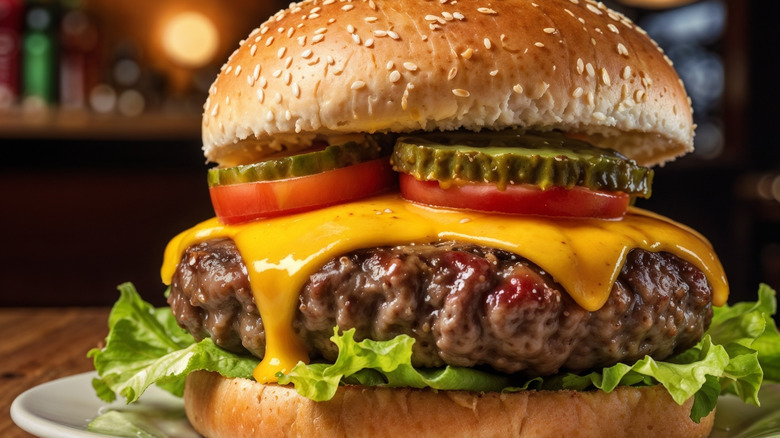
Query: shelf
[[84, 125]]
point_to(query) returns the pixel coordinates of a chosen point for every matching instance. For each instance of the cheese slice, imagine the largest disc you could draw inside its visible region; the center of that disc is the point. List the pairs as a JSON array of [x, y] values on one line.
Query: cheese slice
[[583, 255]]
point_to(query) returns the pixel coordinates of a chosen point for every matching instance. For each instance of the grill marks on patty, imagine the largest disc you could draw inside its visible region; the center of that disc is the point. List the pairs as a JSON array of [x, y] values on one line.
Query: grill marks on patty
[[464, 304]]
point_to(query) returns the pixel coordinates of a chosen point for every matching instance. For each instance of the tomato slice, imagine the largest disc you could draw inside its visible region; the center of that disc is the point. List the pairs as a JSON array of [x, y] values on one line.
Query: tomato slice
[[247, 201], [518, 199]]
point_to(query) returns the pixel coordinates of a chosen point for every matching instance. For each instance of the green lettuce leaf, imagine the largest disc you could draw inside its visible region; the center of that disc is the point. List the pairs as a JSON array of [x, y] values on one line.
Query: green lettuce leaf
[[145, 346], [391, 363]]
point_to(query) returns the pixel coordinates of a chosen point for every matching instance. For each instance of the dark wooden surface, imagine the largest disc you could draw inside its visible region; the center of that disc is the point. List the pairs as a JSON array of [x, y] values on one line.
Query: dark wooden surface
[[43, 344]]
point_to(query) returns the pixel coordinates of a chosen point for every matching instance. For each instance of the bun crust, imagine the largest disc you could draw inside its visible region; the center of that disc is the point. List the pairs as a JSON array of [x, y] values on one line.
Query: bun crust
[[334, 67], [236, 408]]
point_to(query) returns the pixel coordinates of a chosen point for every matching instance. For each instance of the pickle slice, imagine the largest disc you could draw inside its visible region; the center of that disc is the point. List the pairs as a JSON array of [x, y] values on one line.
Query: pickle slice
[[518, 157], [308, 163]]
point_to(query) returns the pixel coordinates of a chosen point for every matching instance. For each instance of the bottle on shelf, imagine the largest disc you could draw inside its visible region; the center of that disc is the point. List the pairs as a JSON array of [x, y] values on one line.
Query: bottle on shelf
[[11, 19]]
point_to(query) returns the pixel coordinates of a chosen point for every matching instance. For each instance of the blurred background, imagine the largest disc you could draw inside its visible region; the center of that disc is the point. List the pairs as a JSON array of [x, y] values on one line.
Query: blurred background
[[100, 105]]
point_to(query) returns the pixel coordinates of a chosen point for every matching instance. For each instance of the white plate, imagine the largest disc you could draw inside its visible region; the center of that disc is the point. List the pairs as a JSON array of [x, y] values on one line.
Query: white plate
[[63, 408]]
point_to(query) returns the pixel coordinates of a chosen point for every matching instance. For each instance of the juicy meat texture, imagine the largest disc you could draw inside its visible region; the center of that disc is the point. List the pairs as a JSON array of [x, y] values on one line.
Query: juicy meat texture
[[465, 305]]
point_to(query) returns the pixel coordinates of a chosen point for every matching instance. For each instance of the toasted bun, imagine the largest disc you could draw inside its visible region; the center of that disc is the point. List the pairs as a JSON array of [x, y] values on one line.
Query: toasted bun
[[334, 67], [236, 408]]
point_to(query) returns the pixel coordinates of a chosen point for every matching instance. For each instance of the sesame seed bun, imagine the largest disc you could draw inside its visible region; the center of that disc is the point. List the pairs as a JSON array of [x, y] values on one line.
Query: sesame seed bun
[[324, 68], [239, 408]]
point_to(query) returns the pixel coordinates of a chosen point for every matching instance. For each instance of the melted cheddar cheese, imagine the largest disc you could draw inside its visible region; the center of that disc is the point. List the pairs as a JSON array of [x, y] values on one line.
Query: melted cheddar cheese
[[583, 256]]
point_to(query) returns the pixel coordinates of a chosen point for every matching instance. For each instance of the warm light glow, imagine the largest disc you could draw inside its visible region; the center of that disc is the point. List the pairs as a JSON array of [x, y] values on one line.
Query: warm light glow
[[190, 39]]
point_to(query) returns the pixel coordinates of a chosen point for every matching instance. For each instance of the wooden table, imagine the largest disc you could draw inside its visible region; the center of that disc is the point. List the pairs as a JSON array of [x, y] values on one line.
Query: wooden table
[[39, 345]]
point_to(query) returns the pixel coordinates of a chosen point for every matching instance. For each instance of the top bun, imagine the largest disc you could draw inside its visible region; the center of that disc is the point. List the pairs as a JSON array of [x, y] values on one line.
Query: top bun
[[335, 67]]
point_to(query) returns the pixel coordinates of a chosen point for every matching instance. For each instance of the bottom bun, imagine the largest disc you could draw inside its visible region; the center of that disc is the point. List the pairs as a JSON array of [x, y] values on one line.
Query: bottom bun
[[222, 407]]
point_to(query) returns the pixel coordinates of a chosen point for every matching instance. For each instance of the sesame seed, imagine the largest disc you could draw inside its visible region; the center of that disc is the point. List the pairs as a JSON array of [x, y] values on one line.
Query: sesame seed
[[393, 35], [622, 49], [599, 116], [329, 59], [311, 16], [538, 44], [269, 41], [287, 78], [306, 54], [229, 69], [357, 85], [269, 117], [580, 66], [613, 28], [369, 42], [591, 98], [570, 13], [260, 95], [317, 38], [518, 89], [453, 72], [347, 7], [468, 53], [605, 77], [262, 81], [249, 80], [280, 53], [356, 38], [380, 33], [589, 68], [593, 9], [487, 11], [410, 66], [460, 92], [487, 43], [447, 16], [431, 18], [370, 19], [576, 2], [351, 28], [215, 110], [405, 99], [541, 88], [276, 73], [278, 98], [238, 70], [290, 32], [394, 76], [296, 90], [288, 62], [390, 65], [372, 5], [493, 72], [627, 72], [302, 40], [639, 95], [550, 30], [577, 92], [253, 50], [458, 16]]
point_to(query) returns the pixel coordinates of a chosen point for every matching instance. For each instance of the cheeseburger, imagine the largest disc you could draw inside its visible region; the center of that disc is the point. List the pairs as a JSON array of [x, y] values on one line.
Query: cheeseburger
[[425, 225]]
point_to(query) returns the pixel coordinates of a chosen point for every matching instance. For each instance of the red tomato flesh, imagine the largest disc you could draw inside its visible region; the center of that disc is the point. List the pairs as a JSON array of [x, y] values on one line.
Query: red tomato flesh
[[237, 203], [518, 199]]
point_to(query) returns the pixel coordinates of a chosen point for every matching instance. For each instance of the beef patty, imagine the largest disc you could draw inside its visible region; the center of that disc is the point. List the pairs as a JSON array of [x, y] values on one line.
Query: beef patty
[[465, 305]]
